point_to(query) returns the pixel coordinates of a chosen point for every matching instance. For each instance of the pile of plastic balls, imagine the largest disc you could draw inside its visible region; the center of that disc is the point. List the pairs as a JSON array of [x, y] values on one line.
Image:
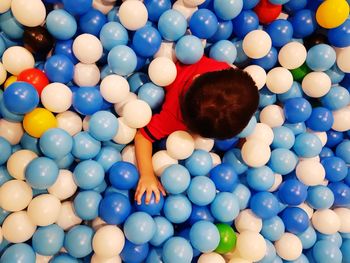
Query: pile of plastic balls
[[79, 77]]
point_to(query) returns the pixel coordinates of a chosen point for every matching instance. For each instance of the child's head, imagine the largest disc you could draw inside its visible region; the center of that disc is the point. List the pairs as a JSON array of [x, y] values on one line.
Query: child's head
[[220, 104]]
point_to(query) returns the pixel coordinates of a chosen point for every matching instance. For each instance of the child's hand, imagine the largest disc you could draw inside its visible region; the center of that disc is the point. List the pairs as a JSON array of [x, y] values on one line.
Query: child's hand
[[148, 184]]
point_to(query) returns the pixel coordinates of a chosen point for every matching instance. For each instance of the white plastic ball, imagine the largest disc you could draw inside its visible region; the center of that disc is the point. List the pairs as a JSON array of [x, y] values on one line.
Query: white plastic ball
[[279, 80], [119, 107], [255, 153], [57, 97], [162, 71], [239, 260], [289, 247], [18, 161], [29, 13], [70, 122], [44, 209], [67, 217], [102, 6], [248, 221], [180, 145], [251, 245], [5, 5], [343, 58], [292, 55], [166, 49], [42, 259], [326, 221], [114, 88], [193, 3], [341, 119], [128, 154], [276, 183], [344, 217], [108, 241], [64, 187], [3, 74], [205, 144], [87, 48], [262, 132], [185, 10], [137, 114], [310, 172], [125, 133], [97, 223], [316, 84], [161, 160], [11, 131], [257, 44], [308, 210], [86, 75], [258, 74], [216, 159], [133, 15], [15, 195], [96, 259], [272, 115], [18, 228], [16, 59], [211, 258], [86, 123]]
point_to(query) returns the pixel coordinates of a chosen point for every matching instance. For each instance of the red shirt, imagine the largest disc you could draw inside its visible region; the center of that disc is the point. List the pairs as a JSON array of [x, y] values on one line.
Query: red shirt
[[169, 119]]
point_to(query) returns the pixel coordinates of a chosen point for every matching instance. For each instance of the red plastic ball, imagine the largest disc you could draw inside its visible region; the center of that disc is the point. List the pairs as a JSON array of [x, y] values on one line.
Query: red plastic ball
[[35, 77], [267, 12]]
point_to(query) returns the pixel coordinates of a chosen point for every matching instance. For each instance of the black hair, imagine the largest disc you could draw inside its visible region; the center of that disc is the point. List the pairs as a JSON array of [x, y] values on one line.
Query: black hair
[[220, 104]]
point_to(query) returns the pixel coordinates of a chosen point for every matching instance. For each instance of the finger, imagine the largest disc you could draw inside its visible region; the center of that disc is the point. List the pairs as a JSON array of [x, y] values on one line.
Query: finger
[[157, 194], [148, 195], [139, 196], [161, 188]]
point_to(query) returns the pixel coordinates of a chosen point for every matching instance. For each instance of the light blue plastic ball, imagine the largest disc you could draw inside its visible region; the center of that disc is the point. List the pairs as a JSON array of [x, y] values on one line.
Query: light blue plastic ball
[[65, 162], [335, 238], [18, 253], [199, 163], [48, 240], [64, 258], [345, 249], [177, 250], [78, 241], [122, 60], [335, 74], [88, 174], [139, 228], [103, 125], [61, 24], [175, 179], [307, 145], [172, 25], [30, 143], [10, 26], [56, 143], [320, 197], [261, 178], [270, 254], [343, 151], [41, 173], [189, 49], [136, 80], [201, 191], [227, 10], [107, 157], [154, 256], [152, 94], [283, 137], [164, 230], [324, 251], [86, 204], [308, 238], [282, 161], [320, 57], [8, 115], [273, 228], [5, 149], [242, 193], [225, 207], [297, 128], [241, 56], [4, 175], [337, 98], [113, 34], [177, 208], [234, 158], [204, 236], [85, 146]]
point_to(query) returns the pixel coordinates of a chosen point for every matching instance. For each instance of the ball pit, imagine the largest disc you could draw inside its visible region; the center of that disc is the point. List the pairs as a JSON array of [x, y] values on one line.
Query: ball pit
[[78, 78]]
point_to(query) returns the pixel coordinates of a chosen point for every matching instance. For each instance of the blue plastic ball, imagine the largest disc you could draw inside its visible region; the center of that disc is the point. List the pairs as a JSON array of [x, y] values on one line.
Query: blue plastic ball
[[261, 178], [343, 151], [225, 144], [297, 110], [86, 204], [59, 68], [320, 57], [122, 60], [92, 22], [77, 7], [245, 22], [225, 207], [295, 220], [88, 174], [283, 138], [87, 100], [177, 208], [282, 161], [336, 169], [201, 191], [224, 177], [113, 34], [320, 197], [48, 240], [5, 149], [321, 119], [324, 251], [18, 253], [340, 36], [189, 49], [114, 208], [146, 41], [85, 146], [176, 250], [280, 31], [61, 24], [164, 231], [337, 98], [227, 10], [152, 94], [224, 31], [123, 175], [199, 163], [268, 62], [56, 143], [304, 23], [20, 97], [200, 213], [156, 8], [78, 241], [224, 51], [152, 208], [172, 25], [133, 253], [41, 173], [65, 47], [307, 145], [264, 205], [175, 179], [294, 5], [341, 193], [204, 236], [103, 125], [292, 192], [139, 228], [203, 23], [272, 228]]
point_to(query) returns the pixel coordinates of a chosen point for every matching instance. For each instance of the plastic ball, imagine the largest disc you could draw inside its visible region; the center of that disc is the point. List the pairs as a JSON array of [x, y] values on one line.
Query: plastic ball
[[295, 220], [175, 179], [146, 41], [64, 187], [310, 172], [316, 84], [86, 204], [87, 100], [172, 25], [92, 22], [17, 227], [35, 77], [292, 55], [85, 146], [11, 131], [108, 241], [281, 76], [292, 192], [87, 48], [251, 245], [224, 51], [44, 210], [15, 195], [280, 31], [267, 11], [67, 217], [245, 22], [6, 150], [225, 207], [134, 253], [264, 205], [152, 207], [59, 68], [307, 145], [48, 240], [273, 228], [337, 98], [78, 241], [17, 252], [123, 175], [199, 163], [304, 23], [114, 208], [203, 23], [180, 145], [321, 119], [56, 97], [255, 153], [114, 88], [56, 143], [339, 36], [152, 94], [324, 251], [227, 10], [272, 115], [201, 191], [297, 110], [320, 197], [260, 179], [320, 57], [139, 228], [204, 236], [335, 167], [77, 8], [17, 163], [86, 75], [125, 133], [133, 15], [257, 38], [137, 114], [103, 125], [61, 24], [341, 118], [189, 49], [41, 173], [29, 14], [269, 61], [289, 247], [332, 14], [113, 34], [162, 71], [177, 249], [326, 221], [177, 208], [224, 177], [258, 74], [164, 231], [161, 160], [16, 59], [122, 60], [88, 174]]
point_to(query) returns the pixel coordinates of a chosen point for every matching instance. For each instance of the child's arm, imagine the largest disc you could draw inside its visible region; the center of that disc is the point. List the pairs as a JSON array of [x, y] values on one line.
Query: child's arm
[[148, 182]]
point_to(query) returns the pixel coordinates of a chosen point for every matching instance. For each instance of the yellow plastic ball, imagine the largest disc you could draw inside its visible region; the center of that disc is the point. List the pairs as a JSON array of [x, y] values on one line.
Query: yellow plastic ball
[[332, 13], [36, 122], [9, 81]]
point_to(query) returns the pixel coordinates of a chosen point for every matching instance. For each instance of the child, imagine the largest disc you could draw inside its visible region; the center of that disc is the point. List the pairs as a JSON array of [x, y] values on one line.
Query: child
[[209, 98]]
